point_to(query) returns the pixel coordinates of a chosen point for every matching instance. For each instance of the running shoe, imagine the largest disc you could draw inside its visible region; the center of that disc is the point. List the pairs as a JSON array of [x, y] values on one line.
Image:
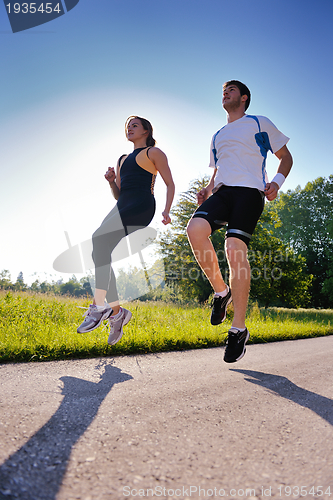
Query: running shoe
[[116, 325], [220, 304], [235, 348], [94, 317]]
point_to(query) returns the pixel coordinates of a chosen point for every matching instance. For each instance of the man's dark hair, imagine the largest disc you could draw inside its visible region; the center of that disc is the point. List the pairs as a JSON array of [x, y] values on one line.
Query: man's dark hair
[[242, 88]]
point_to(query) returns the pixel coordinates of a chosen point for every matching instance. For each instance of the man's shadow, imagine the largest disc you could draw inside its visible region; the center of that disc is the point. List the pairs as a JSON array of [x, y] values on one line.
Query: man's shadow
[[285, 388], [36, 470]]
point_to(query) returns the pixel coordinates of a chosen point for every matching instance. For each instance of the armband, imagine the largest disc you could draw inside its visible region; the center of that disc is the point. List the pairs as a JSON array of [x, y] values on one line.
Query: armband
[[279, 179]]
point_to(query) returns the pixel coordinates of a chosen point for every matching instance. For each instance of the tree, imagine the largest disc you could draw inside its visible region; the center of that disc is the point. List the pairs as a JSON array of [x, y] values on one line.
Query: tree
[[6, 280], [20, 285], [76, 288], [307, 227], [181, 268], [278, 275]]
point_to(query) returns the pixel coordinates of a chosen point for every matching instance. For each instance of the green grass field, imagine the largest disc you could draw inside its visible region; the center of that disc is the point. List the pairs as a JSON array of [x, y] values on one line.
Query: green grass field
[[43, 328]]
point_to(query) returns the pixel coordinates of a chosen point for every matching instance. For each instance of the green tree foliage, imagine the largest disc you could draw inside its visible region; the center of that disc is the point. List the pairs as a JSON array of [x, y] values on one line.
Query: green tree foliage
[[278, 275], [6, 280], [307, 227], [20, 285], [74, 287], [327, 289], [131, 284], [181, 269]]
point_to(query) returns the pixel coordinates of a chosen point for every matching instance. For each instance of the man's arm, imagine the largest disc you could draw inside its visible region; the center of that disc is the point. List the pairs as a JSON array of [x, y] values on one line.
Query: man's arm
[[206, 191], [286, 162]]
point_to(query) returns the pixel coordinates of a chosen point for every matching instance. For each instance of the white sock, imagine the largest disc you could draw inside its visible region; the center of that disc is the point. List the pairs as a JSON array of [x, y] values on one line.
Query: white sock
[[116, 316], [99, 308], [222, 294]]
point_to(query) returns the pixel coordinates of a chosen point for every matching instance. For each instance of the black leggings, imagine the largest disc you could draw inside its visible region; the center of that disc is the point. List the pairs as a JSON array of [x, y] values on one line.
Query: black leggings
[[133, 211]]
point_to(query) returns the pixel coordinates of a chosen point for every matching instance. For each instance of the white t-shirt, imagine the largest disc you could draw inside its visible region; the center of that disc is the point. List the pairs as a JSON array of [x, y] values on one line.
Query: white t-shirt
[[240, 161]]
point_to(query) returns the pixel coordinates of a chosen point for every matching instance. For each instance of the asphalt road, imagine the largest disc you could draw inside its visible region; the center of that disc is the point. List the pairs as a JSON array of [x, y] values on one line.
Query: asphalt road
[[174, 425]]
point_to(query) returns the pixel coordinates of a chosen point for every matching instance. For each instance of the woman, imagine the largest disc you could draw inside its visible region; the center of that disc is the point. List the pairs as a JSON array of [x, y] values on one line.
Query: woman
[[132, 186]]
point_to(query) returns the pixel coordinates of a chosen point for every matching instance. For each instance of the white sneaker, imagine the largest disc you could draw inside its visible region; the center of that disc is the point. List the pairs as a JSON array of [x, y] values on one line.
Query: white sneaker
[[116, 325]]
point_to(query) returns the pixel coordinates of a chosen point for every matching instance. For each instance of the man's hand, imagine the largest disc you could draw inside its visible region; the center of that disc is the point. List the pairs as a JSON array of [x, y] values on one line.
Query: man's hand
[[202, 196], [271, 191], [110, 175]]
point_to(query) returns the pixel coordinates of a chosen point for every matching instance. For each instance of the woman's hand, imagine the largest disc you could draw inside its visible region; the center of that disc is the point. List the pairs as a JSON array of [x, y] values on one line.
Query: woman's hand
[[110, 175], [166, 218]]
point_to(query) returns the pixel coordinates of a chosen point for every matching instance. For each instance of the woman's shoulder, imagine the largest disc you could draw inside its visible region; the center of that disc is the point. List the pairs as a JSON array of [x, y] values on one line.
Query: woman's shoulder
[[154, 152], [121, 160]]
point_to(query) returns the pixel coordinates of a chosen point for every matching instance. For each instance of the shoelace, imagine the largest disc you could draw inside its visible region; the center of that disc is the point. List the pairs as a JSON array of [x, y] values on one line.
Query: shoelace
[[88, 309], [87, 312]]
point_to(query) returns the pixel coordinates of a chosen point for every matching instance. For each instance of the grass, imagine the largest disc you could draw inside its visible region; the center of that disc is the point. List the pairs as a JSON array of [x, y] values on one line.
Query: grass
[[43, 328]]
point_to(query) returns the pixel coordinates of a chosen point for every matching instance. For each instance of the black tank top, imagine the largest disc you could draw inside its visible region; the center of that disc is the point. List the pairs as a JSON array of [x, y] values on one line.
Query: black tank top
[[137, 172]]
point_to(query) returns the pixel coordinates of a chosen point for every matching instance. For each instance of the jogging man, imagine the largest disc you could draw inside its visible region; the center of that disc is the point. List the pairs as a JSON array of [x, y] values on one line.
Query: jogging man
[[235, 196]]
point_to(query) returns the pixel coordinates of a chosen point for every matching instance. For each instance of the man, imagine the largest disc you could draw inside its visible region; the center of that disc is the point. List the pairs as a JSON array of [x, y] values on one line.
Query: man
[[235, 196]]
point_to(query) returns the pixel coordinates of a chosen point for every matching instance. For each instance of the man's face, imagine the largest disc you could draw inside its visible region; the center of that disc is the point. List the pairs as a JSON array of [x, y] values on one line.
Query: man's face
[[231, 98]]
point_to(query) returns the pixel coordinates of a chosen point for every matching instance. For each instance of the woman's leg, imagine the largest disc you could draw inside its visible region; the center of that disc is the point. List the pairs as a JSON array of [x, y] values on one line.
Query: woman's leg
[[105, 239]]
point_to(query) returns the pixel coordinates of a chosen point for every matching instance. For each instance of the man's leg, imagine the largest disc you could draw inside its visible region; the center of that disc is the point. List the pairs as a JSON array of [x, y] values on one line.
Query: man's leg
[[198, 232], [240, 278]]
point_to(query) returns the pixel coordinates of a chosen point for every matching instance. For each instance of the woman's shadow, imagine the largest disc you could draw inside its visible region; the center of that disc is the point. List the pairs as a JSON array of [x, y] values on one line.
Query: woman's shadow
[[285, 388], [35, 471]]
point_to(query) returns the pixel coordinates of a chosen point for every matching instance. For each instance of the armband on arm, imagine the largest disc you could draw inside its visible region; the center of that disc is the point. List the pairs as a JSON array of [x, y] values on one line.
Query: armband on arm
[[279, 179]]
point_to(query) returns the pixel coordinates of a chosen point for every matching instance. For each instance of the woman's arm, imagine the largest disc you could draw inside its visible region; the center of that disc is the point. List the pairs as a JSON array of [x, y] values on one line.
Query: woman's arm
[[113, 179], [161, 163]]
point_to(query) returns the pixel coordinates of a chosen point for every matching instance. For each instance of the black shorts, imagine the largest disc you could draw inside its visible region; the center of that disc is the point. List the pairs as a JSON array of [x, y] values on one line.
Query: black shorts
[[239, 207]]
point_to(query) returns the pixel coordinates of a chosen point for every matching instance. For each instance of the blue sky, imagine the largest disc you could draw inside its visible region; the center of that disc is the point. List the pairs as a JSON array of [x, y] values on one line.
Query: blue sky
[[68, 86]]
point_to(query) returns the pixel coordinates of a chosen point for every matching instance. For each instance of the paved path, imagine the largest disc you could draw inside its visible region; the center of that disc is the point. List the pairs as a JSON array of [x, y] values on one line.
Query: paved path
[[175, 425]]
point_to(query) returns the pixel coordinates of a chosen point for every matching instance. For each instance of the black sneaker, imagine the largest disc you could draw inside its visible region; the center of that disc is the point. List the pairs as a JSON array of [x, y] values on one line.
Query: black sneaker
[[235, 348], [220, 304]]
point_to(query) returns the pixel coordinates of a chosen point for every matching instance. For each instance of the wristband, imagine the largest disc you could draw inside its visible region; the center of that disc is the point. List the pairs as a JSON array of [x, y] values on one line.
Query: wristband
[[279, 179]]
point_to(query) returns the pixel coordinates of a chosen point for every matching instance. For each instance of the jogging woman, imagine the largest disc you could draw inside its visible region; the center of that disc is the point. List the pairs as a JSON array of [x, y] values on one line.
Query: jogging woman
[[132, 186]]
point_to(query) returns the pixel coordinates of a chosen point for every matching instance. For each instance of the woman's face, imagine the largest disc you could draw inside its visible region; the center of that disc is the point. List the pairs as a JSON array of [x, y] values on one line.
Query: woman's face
[[135, 130]]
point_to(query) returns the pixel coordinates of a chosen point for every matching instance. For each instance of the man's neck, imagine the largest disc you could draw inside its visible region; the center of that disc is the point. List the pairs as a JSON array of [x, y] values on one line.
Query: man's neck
[[235, 115]]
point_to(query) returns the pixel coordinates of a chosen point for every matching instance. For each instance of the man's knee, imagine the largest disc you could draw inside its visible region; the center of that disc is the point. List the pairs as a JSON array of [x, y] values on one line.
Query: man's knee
[[198, 228]]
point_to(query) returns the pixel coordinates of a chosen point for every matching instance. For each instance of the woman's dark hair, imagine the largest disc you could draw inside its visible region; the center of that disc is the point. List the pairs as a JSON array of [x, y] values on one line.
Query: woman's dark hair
[[242, 88], [150, 141]]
